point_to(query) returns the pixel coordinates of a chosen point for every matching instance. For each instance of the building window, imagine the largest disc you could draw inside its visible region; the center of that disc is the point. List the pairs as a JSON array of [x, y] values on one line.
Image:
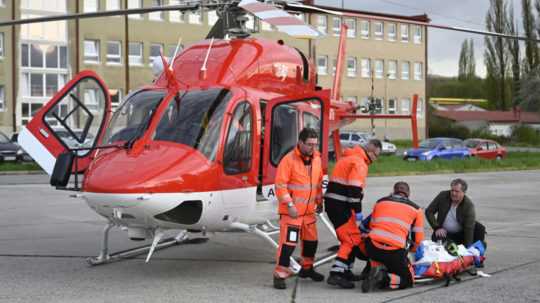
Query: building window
[[112, 5], [40, 56], [417, 34], [404, 28], [91, 6], [1, 45], [351, 24], [135, 53], [322, 65], [336, 26], [91, 51], [379, 30], [114, 52], [418, 74], [2, 3], [2, 98], [212, 17], [176, 16], [392, 32], [419, 107], [405, 106], [40, 84], [322, 23], [195, 17], [379, 69], [366, 68], [392, 106], [351, 66], [173, 52], [364, 29], [392, 69], [156, 50], [135, 4], [405, 66], [116, 98], [156, 16]]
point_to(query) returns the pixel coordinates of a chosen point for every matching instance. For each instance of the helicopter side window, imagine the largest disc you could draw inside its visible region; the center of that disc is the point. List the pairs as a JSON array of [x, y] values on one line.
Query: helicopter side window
[[284, 131], [238, 147]]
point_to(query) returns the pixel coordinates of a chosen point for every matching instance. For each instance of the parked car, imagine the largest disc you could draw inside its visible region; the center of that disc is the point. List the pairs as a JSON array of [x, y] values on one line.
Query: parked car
[[437, 148], [349, 139], [487, 149], [11, 151]]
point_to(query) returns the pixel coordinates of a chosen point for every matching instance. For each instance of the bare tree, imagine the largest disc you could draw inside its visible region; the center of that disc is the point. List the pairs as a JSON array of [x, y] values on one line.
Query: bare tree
[[496, 54], [531, 48], [515, 57]]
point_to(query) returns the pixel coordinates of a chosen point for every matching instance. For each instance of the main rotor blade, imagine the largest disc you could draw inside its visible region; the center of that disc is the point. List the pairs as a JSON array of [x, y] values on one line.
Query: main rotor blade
[[325, 10], [191, 5], [279, 18]]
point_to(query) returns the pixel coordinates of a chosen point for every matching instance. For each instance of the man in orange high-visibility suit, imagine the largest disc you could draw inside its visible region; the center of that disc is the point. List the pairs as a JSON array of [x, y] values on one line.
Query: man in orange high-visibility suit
[[299, 192], [342, 201], [394, 219]]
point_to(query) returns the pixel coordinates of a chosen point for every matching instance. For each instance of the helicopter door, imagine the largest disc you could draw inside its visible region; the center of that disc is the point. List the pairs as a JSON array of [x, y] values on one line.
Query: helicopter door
[[74, 118], [284, 119]]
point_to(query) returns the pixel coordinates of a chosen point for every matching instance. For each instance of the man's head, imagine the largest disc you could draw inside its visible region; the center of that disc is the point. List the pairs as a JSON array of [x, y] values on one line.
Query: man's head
[[373, 149], [401, 188], [308, 141], [458, 187]]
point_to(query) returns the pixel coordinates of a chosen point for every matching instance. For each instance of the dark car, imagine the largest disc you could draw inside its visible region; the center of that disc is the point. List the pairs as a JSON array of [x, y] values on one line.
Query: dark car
[[438, 148], [486, 149], [11, 151]]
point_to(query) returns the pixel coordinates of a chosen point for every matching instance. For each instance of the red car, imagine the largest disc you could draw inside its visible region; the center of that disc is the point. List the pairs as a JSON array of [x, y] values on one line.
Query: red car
[[487, 149]]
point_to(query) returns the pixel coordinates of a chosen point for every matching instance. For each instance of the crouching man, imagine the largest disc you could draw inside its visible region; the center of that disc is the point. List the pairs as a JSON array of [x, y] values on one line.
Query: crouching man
[[394, 219]]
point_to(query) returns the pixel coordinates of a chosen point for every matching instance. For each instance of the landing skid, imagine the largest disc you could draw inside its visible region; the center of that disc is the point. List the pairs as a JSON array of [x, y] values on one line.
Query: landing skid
[[267, 230], [104, 256]]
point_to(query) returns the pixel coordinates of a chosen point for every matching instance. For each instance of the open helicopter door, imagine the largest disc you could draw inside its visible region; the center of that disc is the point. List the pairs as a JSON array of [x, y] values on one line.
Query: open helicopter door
[[284, 119], [72, 122]]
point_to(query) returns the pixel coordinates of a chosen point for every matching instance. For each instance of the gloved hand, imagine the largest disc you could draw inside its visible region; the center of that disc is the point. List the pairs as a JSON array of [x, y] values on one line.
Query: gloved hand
[[293, 212], [319, 208]]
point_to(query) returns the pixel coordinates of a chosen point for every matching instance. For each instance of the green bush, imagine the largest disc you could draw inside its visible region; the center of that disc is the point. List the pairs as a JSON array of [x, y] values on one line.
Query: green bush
[[525, 134]]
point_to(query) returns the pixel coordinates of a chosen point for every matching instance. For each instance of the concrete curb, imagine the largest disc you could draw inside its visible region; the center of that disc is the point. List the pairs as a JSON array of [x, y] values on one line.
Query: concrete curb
[[22, 172]]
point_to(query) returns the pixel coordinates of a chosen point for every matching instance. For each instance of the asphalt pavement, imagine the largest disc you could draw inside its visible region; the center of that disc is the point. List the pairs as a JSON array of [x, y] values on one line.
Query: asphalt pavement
[[46, 236]]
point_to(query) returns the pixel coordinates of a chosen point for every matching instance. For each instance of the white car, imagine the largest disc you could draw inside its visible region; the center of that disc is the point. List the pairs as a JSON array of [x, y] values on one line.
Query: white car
[[349, 139]]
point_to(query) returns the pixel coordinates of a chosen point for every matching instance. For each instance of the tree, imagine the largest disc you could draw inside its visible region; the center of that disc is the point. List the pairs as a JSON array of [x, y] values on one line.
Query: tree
[[471, 68], [528, 92], [496, 55], [462, 72], [515, 58], [531, 49]]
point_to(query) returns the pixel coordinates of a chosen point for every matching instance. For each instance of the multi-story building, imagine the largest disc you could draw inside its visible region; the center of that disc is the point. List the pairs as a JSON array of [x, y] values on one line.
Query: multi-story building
[[386, 60]]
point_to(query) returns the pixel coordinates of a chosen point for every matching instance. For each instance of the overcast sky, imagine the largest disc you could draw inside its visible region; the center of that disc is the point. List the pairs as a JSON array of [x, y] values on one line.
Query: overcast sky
[[444, 46]]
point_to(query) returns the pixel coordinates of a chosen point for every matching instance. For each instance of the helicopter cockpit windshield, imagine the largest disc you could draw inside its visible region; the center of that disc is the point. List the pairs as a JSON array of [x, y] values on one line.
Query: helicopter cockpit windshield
[[133, 117], [194, 119]]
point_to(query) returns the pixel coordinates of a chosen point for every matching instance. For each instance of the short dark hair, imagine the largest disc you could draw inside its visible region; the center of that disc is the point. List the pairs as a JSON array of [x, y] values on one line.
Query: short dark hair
[[307, 133], [460, 182], [375, 142], [402, 187]]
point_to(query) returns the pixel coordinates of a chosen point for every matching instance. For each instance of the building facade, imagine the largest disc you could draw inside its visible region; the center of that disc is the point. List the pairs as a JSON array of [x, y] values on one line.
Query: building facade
[[386, 60]]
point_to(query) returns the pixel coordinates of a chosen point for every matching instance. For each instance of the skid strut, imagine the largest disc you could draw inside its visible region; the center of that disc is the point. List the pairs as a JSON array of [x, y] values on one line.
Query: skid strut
[[104, 256]]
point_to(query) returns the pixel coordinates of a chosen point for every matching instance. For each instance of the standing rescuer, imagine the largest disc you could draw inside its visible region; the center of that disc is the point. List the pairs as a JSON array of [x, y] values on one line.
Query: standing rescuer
[[394, 219], [299, 192], [342, 201]]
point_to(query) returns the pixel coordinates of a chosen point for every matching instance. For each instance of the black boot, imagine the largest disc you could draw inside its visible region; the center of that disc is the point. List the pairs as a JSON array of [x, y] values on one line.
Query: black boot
[[311, 273], [375, 276], [279, 283], [339, 279], [349, 275]]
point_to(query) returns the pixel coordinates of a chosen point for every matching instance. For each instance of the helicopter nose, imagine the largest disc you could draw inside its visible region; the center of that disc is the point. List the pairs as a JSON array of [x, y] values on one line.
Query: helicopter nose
[[162, 167]]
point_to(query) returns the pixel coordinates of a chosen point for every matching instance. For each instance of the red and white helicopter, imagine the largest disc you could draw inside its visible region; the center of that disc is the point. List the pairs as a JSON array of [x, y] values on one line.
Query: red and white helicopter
[[196, 150]]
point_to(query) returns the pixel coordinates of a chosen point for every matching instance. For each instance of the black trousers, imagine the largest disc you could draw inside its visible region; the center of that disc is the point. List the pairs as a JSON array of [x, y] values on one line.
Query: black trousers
[[396, 261], [479, 234]]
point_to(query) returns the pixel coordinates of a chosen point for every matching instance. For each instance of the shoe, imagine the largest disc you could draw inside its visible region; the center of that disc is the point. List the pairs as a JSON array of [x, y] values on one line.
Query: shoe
[[279, 283], [339, 279], [375, 275], [311, 273], [349, 275]]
